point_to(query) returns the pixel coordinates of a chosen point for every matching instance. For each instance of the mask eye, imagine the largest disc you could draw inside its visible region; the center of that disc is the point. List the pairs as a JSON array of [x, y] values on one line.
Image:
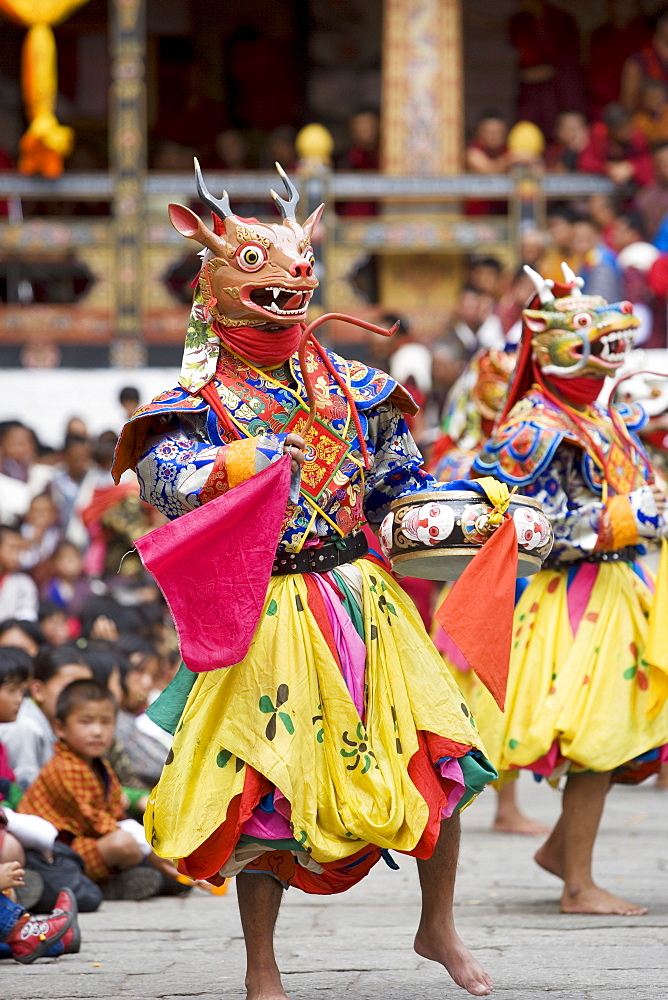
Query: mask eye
[[310, 256], [582, 320], [251, 256]]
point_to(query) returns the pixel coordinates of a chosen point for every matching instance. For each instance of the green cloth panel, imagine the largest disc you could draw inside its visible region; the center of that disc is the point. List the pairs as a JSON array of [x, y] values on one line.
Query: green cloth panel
[[288, 844], [477, 772], [167, 708]]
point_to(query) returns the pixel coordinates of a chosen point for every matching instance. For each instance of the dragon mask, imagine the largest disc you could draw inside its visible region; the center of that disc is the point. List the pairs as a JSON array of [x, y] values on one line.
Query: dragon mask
[[572, 340], [575, 334], [253, 274]]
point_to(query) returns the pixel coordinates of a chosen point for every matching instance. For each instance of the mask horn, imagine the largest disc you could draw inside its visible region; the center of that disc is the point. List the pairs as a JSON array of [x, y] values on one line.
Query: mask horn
[[571, 278], [219, 206], [286, 208], [542, 285]]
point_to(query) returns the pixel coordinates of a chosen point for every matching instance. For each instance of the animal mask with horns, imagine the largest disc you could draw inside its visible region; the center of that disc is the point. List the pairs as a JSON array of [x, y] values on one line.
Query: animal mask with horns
[[575, 335], [253, 274]]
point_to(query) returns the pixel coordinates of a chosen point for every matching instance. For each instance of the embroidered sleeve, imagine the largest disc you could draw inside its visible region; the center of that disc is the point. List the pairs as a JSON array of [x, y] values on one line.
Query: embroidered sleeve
[[181, 469], [582, 522], [396, 465]]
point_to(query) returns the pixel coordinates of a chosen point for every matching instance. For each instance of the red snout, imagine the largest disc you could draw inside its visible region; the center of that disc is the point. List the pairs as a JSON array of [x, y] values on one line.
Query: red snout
[[301, 268], [626, 307]]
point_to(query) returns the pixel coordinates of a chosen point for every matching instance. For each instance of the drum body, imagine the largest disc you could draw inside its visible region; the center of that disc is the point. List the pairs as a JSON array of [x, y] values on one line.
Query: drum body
[[434, 536]]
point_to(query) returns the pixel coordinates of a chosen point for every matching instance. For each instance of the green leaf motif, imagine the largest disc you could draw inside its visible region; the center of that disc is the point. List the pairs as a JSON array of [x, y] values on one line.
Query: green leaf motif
[[287, 722], [223, 758], [630, 673], [513, 744], [391, 608], [272, 607], [266, 705]]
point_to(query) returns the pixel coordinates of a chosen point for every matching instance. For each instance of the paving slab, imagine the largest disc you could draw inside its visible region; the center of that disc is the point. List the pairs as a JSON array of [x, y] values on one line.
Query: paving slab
[[359, 945]]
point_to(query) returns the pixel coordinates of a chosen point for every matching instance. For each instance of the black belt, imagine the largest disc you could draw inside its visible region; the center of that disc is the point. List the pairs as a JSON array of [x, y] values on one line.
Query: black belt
[[628, 554], [322, 559]]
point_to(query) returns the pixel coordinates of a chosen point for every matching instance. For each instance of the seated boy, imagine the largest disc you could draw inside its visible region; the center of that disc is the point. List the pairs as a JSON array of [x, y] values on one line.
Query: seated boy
[[79, 793], [26, 938], [29, 741]]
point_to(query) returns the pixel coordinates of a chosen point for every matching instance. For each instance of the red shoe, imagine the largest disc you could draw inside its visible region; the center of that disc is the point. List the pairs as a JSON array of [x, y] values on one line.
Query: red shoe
[[33, 937], [70, 942]]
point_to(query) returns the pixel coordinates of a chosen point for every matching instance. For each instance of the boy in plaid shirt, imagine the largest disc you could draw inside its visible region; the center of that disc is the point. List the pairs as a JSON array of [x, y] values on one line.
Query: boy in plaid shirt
[[80, 794]]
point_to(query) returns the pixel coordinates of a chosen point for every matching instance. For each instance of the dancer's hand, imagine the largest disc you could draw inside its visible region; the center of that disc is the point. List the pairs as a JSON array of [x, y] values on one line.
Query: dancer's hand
[[294, 447], [659, 498]]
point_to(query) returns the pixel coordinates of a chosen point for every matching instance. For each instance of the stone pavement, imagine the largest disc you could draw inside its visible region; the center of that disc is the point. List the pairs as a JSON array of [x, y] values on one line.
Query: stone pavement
[[358, 945]]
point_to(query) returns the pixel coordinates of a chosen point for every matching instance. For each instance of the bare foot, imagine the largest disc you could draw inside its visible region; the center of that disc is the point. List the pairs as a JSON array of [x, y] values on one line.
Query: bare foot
[[266, 994], [549, 862], [662, 778], [514, 821], [265, 987], [591, 899], [447, 949]]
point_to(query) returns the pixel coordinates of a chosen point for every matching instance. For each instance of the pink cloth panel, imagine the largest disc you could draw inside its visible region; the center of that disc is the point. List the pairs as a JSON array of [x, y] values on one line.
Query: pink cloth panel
[[451, 770], [447, 648], [579, 593], [214, 563], [349, 645]]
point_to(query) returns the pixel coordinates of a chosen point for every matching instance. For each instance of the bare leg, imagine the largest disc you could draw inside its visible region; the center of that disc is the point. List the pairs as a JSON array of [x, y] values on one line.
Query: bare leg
[[569, 849], [437, 938], [662, 779], [551, 855], [120, 850], [259, 902], [510, 818]]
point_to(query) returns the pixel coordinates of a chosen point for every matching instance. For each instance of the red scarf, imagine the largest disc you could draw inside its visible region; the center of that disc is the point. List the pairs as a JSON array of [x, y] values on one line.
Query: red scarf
[[258, 346], [582, 389]]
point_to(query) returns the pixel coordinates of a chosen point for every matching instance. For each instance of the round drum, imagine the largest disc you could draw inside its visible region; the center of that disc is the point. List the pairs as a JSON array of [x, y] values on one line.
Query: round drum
[[434, 536]]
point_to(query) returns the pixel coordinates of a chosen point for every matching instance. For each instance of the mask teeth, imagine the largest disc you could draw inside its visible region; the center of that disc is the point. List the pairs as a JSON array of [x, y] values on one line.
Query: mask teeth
[[572, 279], [542, 285]]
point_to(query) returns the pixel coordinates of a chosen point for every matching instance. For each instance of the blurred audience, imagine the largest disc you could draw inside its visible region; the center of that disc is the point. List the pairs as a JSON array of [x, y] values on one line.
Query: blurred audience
[[571, 138], [610, 45], [651, 118], [363, 153], [598, 266], [550, 78], [18, 592], [29, 740], [649, 62], [652, 200], [618, 150]]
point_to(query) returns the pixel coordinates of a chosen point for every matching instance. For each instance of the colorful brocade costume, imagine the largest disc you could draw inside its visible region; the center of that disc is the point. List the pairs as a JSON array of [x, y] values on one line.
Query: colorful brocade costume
[[585, 692], [341, 735]]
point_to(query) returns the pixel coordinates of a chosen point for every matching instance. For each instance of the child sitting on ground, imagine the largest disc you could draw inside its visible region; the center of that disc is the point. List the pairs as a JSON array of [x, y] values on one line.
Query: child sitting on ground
[[79, 793], [29, 741], [26, 938]]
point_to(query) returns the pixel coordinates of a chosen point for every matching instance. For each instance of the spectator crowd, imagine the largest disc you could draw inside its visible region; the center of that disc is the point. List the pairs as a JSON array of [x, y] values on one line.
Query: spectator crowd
[[86, 642]]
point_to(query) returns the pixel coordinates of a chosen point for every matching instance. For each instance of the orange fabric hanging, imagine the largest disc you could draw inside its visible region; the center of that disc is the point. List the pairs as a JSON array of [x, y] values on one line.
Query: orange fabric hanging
[[46, 142], [478, 612]]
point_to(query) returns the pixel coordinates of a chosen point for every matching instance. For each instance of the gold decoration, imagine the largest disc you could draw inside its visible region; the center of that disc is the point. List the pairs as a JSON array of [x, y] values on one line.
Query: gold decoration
[[244, 234]]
